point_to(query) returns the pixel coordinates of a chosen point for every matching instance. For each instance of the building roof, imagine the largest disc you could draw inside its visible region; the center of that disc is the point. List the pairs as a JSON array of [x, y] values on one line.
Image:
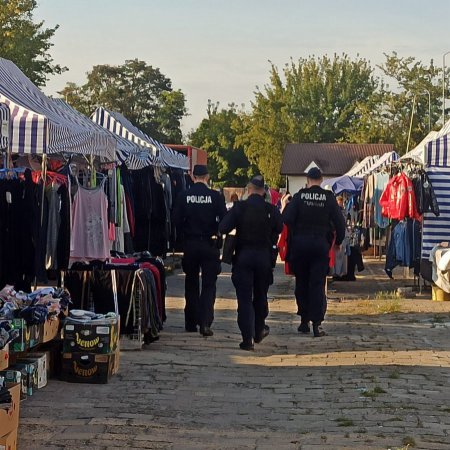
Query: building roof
[[332, 159]]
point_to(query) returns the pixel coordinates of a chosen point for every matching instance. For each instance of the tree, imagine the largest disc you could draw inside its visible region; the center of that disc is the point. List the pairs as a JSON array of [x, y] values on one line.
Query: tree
[[138, 91], [314, 100], [25, 42], [228, 165], [414, 82]]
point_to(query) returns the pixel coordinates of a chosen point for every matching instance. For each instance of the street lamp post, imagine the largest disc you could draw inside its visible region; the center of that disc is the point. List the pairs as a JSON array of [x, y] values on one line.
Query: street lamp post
[[429, 108], [443, 86]]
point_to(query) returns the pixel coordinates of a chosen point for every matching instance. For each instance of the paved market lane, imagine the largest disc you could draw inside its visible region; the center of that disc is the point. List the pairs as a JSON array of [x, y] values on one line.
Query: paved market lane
[[378, 381]]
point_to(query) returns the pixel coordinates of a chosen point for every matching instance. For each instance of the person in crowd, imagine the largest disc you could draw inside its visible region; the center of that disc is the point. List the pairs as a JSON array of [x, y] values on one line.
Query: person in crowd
[[233, 198], [311, 217], [257, 225], [197, 214]]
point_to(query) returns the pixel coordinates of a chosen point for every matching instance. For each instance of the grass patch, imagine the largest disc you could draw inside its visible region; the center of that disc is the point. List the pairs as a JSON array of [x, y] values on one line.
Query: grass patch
[[386, 295], [374, 393], [394, 375], [344, 422], [394, 419], [447, 410]]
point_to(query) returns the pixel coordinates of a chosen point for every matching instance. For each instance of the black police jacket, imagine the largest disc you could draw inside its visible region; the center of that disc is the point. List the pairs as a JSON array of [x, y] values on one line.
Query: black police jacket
[[314, 211], [198, 211], [257, 223]]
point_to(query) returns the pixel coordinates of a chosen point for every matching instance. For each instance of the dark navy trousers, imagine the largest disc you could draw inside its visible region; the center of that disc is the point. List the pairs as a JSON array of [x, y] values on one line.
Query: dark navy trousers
[[200, 257], [310, 263], [251, 277]]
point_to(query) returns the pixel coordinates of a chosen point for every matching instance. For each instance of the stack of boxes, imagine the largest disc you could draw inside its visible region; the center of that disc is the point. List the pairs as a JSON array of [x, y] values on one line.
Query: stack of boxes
[[90, 351]]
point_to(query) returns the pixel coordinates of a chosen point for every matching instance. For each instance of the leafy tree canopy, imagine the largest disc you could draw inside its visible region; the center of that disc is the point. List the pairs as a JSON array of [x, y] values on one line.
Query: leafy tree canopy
[[138, 91], [228, 165], [25, 42]]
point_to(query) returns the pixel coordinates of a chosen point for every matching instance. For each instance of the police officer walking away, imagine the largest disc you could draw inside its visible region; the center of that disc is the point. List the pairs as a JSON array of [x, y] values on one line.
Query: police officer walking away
[[257, 225], [311, 216], [197, 214]]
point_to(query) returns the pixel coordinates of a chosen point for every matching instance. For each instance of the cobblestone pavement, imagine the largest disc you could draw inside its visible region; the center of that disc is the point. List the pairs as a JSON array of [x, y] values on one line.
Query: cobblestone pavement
[[379, 380]]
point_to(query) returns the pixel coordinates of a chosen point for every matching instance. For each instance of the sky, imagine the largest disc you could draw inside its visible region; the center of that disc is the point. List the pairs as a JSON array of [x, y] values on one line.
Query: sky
[[220, 49]]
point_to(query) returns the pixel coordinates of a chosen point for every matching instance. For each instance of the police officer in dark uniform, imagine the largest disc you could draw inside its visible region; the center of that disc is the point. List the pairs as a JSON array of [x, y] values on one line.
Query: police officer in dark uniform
[[311, 216], [197, 214], [257, 225]]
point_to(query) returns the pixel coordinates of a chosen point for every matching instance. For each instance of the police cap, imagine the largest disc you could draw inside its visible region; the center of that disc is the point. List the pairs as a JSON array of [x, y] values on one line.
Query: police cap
[[314, 173], [200, 170], [258, 181]]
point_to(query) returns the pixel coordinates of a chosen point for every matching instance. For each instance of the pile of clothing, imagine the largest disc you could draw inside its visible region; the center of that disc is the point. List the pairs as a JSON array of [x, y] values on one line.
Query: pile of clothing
[[83, 316], [35, 308]]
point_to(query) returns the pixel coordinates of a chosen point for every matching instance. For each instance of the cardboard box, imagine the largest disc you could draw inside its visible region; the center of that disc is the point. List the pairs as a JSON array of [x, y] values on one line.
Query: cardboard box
[[9, 418], [9, 441], [22, 342], [16, 377], [91, 338], [53, 349], [29, 372], [4, 357], [89, 367], [40, 359], [50, 330]]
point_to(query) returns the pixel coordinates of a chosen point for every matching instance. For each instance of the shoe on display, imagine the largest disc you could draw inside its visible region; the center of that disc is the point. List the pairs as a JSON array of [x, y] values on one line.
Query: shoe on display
[[262, 334]]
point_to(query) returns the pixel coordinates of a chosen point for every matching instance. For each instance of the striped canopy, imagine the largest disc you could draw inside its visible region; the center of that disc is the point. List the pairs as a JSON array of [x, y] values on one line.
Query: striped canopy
[[130, 154], [121, 126], [39, 125], [383, 161], [437, 152], [361, 167], [4, 126]]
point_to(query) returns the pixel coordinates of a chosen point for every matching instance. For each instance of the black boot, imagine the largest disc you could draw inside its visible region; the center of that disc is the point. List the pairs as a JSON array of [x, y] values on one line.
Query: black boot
[[262, 334], [247, 345], [206, 331], [317, 330], [304, 327]]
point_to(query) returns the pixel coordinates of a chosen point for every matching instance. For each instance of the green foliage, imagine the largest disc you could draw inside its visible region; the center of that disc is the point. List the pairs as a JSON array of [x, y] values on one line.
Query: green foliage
[[227, 163], [313, 100], [25, 42], [139, 91]]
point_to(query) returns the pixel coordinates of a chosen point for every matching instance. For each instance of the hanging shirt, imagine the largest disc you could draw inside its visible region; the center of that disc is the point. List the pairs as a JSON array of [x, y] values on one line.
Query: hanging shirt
[[89, 236]]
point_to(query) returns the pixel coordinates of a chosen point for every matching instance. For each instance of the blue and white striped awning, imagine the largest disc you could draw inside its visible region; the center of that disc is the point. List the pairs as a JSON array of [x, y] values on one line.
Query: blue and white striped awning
[[4, 126], [437, 229], [121, 126], [39, 125], [128, 153], [383, 161], [362, 166], [437, 152]]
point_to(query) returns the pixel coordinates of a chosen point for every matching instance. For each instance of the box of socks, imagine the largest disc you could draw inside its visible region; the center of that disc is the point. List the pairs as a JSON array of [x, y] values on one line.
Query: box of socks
[[93, 368], [22, 341], [9, 409], [40, 360], [29, 370], [50, 330], [100, 335]]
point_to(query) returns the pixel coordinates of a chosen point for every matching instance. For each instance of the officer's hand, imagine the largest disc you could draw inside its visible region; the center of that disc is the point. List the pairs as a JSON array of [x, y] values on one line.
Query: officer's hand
[[285, 200], [337, 248]]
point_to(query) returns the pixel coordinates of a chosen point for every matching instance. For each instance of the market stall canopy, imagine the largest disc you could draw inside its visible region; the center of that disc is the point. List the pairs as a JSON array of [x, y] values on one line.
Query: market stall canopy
[[4, 126], [343, 183], [131, 155], [121, 126], [38, 125], [362, 166], [417, 154], [383, 161]]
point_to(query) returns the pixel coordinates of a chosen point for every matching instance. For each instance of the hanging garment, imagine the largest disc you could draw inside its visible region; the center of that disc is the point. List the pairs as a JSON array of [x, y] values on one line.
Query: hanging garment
[[381, 181], [54, 220], [398, 200], [89, 236]]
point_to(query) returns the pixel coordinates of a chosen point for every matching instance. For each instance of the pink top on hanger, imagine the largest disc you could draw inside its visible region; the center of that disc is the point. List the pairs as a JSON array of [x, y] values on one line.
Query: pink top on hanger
[[89, 234]]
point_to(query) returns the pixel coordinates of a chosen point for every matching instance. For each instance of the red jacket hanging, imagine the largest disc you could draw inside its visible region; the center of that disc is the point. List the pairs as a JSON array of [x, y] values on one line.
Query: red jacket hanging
[[398, 200]]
